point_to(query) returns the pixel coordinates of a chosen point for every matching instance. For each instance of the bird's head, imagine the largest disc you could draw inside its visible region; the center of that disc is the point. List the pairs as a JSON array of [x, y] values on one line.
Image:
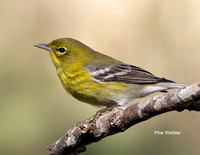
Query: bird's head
[[65, 51]]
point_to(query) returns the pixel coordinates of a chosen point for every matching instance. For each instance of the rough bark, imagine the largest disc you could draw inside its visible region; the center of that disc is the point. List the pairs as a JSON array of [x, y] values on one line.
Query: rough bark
[[120, 119]]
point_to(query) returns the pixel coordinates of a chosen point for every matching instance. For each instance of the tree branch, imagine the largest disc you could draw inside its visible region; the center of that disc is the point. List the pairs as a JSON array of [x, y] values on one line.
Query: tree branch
[[120, 119]]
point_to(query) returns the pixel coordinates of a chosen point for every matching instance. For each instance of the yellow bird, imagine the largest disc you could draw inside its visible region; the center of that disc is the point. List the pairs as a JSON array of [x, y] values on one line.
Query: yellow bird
[[98, 79]]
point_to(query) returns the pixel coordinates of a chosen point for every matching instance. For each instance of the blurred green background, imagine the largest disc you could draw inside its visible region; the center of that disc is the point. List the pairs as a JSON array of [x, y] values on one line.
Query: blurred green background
[[162, 37]]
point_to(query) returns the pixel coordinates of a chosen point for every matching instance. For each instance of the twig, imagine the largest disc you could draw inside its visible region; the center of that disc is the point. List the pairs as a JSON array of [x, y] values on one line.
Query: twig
[[120, 119]]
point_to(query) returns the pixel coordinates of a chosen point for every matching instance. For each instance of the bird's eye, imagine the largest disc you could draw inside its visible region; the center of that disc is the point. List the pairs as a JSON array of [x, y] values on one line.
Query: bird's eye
[[61, 50]]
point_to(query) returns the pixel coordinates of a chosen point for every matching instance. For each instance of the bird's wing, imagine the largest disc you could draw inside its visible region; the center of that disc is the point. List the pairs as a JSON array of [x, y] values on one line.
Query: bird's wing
[[124, 73]]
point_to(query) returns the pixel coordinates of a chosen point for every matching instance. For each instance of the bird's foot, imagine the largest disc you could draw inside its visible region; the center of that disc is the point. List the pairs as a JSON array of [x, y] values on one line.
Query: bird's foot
[[100, 113]]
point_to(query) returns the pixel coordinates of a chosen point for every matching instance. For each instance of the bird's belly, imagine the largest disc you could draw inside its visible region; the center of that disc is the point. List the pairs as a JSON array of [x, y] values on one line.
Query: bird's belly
[[98, 93], [105, 94]]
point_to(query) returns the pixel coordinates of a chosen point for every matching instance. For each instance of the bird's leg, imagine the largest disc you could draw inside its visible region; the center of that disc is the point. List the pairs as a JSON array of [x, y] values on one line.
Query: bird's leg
[[101, 112], [92, 121], [107, 109]]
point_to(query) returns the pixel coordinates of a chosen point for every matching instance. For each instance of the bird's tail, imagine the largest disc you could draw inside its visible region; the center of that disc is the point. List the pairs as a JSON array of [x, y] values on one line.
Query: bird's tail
[[161, 87], [170, 85]]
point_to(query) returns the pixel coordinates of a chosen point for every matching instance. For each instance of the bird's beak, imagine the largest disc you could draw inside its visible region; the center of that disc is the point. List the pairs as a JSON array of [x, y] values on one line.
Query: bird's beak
[[43, 46]]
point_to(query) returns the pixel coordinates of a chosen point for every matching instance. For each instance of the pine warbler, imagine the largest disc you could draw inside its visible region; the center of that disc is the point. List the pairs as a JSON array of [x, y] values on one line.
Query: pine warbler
[[98, 79]]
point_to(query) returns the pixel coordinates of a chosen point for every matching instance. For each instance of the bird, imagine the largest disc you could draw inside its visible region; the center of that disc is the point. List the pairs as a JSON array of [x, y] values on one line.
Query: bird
[[98, 79]]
